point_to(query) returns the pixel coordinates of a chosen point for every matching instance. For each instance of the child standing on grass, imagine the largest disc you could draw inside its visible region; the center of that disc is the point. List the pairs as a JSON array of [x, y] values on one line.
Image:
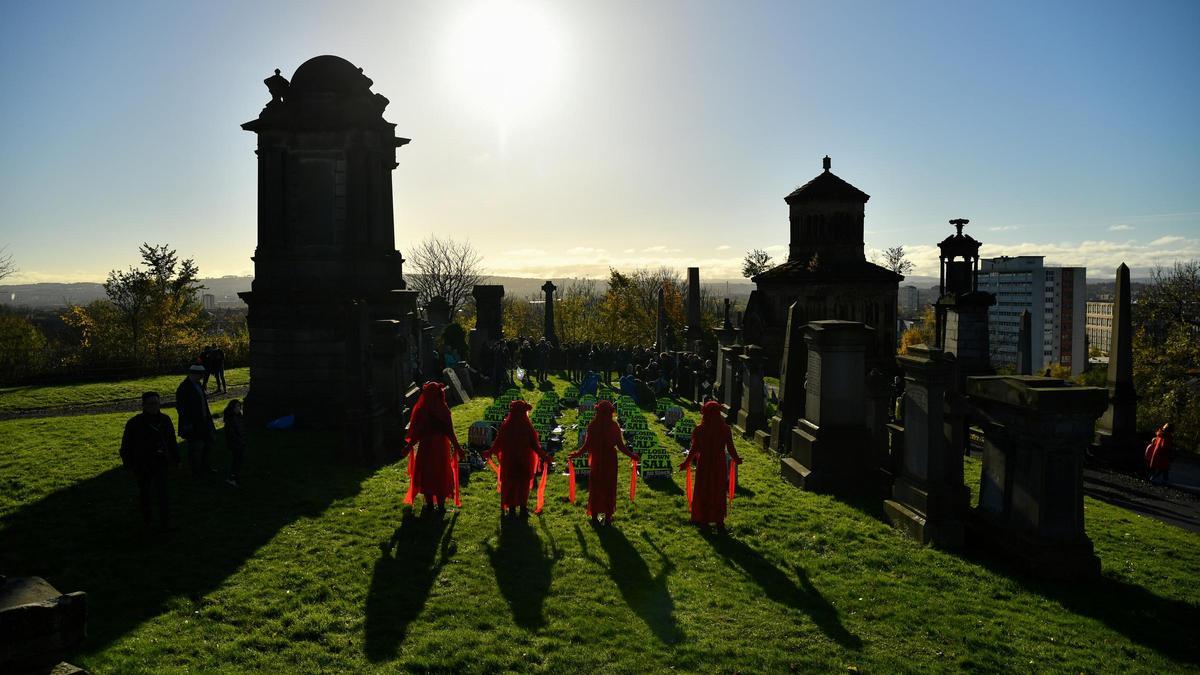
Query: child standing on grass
[[433, 471], [235, 439]]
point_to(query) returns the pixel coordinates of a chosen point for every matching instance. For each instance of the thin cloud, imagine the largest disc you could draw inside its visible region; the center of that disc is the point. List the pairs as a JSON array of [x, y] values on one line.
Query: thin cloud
[[724, 247], [1120, 227], [655, 249], [586, 250], [1169, 239], [1004, 228]]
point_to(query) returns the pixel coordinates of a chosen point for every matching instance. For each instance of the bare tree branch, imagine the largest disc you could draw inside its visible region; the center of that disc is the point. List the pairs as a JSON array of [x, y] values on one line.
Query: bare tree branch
[[447, 268], [7, 268]]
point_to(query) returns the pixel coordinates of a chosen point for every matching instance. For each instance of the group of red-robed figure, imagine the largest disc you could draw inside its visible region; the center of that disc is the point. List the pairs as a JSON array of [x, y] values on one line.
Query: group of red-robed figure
[[433, 471]]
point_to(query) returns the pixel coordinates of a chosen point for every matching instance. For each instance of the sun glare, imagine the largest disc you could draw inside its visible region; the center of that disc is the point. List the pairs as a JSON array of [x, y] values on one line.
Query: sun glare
[[506, 57]]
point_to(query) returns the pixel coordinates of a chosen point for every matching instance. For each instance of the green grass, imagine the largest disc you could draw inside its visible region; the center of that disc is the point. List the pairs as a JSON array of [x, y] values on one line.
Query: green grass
[[35, 397], [315, 565]]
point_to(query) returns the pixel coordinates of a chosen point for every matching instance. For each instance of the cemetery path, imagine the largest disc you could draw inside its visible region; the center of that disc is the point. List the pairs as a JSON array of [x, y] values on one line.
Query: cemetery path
[[1177, 504], [123, 405]]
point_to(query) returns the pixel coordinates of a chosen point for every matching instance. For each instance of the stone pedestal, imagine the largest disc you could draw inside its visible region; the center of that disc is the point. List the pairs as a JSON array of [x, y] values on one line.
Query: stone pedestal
[[731, 398], [830, 448], [1031, 490], [791, 382], [752, 413], [38, 625], [929, 499], [489, 319], [1116, 439], [725, 337]]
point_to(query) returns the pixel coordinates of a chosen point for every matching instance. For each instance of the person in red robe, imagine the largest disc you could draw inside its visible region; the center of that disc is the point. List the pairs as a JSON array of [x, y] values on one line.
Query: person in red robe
[[433, 471], [600, 444], [1158, 455], [520, 453], [715, 479]]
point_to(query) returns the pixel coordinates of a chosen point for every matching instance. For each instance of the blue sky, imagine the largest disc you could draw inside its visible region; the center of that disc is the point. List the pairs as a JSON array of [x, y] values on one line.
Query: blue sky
[[625, 134]]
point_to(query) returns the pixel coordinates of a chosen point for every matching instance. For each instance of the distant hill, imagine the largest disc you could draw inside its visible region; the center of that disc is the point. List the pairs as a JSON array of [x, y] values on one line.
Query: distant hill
[[54, 295]]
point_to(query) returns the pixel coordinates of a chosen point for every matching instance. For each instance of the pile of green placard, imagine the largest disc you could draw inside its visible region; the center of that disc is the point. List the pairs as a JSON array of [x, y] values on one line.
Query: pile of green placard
[[682, 431], [655, 460], [570, 395]]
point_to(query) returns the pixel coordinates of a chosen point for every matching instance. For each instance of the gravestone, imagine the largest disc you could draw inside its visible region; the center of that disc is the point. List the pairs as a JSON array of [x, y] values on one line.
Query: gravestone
[[694, 331], [726, 336], [1035, 432], [1116, 432], [548, 320], [325, 240], [880, 401], [1025, 344], [39, 625], [457, 393], [929, 498], [830, 450], [731, 399], [489, 319], [437, 312], [791, 382], [752, 412]]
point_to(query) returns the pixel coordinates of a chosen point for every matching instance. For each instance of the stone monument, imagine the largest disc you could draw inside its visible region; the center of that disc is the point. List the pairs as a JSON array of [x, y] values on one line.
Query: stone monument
[[39, 625], [1035, 433], [548, 329], [830, 449], [660, 326], [1025, 344], [731, 400], [489, 319], [792, 370], [929, 499], [694, 331], [826, 272], [326, 241], [1116, 432], [961, 329], [751, 415]]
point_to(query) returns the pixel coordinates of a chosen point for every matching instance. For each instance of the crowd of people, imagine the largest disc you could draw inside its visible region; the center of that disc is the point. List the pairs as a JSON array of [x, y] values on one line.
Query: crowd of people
[[149, 448]]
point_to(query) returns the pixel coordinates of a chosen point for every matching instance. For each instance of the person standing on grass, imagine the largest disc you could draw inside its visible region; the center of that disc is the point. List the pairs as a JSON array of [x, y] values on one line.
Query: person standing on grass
[[433, 471], [600, 444], [1158, 455], [195, 421], [148, 449], [235, 439], [715, 479], [218, 368], [520, 453]]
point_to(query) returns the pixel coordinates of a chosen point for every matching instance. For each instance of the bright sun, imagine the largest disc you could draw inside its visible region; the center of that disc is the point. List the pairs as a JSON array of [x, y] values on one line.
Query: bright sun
[[506, 56]]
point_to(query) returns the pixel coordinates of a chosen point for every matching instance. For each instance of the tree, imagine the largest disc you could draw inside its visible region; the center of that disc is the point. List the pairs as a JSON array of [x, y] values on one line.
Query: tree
[[6, 264], [755, 263], [22, 346], [895, 260], [1166, 352], [130, 294], [447, 268], [921, 332]]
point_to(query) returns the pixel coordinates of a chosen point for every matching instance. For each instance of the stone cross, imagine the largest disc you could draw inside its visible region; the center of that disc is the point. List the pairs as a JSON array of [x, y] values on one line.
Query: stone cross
[[548, 331]]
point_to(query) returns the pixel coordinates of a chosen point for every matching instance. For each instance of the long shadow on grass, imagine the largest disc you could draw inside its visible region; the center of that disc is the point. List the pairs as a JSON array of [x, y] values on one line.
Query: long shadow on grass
[[645, 594], [404, 575], [523, 567], [1162, 624], [780, 588], [89, 536]]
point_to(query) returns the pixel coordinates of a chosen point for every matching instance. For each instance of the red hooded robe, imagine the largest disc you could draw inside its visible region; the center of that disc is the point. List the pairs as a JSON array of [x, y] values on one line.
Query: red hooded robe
[[519, 449], [600, 444], [433, 471], [1158, 453], [711, 439]]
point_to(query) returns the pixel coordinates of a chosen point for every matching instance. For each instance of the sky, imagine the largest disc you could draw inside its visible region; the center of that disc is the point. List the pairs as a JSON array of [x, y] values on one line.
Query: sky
[[563, 138]]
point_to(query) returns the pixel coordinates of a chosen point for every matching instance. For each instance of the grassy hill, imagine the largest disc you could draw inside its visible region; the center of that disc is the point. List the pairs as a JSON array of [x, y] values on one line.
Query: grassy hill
[[315, 565]]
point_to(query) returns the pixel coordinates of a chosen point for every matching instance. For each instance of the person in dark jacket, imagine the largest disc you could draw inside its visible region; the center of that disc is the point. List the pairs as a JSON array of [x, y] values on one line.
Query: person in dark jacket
[[148, 449], [195, 421], [235, 439], [217, 357]]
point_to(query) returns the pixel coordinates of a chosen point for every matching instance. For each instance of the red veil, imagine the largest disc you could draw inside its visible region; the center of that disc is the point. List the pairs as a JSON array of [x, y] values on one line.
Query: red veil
[[716, 480], [433, 470], [520, 452], [1158, 452], [600, 443]]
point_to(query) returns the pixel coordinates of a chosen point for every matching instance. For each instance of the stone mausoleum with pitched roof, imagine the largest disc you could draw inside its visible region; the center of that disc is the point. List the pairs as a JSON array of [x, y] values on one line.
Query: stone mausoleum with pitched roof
[[826, 272]]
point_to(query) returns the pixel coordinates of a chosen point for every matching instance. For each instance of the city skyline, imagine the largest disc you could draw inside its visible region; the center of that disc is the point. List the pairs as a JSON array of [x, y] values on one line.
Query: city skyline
[[562, 139]]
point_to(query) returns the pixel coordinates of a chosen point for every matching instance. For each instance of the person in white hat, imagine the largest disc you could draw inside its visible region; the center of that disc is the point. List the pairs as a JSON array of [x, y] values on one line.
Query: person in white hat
[[195, 420]]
